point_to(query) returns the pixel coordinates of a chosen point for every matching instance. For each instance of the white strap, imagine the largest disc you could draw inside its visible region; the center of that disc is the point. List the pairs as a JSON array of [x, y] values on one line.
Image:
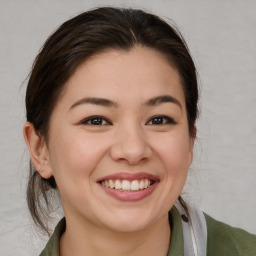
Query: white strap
[[194, 231]]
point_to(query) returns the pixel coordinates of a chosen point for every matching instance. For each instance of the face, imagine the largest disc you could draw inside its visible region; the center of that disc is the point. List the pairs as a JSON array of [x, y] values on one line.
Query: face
[[119, 146]]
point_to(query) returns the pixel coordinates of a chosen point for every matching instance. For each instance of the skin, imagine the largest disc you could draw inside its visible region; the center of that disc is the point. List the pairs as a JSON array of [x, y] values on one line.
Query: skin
[[128, 140]]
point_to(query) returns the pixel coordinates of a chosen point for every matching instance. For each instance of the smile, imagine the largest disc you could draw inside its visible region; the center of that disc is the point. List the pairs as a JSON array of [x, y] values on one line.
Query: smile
[[127, 185]]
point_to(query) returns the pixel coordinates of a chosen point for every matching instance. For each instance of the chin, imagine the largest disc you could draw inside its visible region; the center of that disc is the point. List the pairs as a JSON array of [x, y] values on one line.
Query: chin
[[130, 221], [125, 227]]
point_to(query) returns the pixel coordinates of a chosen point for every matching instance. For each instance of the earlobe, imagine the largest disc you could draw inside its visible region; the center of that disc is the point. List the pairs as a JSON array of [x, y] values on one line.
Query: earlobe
[[38, 150]]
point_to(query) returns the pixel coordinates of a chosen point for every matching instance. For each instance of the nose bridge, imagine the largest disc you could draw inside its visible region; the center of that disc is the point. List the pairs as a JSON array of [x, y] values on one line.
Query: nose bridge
[[130, 144]]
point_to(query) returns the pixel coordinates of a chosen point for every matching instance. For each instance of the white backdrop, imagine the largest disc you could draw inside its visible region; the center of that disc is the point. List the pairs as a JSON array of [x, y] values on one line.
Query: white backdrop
[[221, 36]]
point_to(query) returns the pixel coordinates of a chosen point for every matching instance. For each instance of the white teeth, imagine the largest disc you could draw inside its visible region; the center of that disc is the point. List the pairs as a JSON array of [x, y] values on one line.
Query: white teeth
[[135, 185], [118, 184], [141, 185], [111, 184], [126, 185]]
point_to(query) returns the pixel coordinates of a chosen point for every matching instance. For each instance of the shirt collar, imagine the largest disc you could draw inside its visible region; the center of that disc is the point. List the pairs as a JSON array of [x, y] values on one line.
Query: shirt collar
[[175, 249]]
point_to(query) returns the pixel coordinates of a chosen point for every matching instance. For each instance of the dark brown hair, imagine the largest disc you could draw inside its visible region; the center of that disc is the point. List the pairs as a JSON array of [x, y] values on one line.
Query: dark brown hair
[[75, 41]]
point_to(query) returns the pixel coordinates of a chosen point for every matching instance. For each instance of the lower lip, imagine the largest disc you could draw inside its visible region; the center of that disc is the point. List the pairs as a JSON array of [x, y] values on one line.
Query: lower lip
[[130, 195]]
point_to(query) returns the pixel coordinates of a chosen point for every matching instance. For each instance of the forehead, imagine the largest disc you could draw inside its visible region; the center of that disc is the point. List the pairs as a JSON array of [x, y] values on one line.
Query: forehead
[[139, 73]]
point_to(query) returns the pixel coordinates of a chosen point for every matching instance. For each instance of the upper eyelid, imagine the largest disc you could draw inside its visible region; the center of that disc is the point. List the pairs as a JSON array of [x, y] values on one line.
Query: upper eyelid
[[106, 119], [161, 116], [83, 121]]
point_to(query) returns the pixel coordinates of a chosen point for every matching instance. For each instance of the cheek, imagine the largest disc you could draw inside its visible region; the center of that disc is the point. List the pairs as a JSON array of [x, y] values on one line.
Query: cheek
[[175, 154], [75, 155]]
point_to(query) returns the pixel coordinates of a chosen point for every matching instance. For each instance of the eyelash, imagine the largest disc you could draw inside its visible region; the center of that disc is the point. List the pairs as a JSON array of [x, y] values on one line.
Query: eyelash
[[168, 120], [100, 119]]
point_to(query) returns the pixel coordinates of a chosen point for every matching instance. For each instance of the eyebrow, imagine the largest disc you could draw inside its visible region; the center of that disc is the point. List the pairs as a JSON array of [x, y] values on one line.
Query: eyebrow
[[95, 101], [162, 99], [108, 103]]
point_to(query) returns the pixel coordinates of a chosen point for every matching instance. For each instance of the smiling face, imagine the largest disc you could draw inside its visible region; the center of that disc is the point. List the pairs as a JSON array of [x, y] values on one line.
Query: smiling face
[[118, 143]]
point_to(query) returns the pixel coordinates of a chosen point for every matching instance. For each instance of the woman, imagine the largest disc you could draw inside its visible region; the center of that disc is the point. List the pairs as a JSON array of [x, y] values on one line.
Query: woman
[[111, 111]]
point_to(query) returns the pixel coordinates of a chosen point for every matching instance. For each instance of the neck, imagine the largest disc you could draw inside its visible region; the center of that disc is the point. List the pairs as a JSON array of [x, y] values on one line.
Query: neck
[[79, 240]]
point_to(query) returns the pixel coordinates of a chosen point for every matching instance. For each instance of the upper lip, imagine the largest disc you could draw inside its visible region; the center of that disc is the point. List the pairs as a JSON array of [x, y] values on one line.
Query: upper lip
[[129, 176]]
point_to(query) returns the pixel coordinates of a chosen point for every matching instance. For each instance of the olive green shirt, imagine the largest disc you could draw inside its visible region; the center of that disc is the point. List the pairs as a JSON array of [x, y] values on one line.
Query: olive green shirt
[[222, 239]]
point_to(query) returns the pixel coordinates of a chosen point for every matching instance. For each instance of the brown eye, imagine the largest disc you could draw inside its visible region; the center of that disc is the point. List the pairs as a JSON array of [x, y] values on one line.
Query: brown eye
[[96, 121], [157, 120], [161, 120]]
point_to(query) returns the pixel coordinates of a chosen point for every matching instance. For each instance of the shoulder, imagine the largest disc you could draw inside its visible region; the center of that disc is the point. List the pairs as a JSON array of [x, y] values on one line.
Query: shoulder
[[223, 239], [52, 247]]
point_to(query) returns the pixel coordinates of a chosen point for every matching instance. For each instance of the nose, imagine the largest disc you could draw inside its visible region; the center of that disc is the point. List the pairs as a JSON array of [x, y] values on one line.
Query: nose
[[130, 146]]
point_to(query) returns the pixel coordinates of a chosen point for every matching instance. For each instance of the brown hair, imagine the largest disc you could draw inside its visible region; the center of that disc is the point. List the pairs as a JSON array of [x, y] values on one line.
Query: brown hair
[[71, 44]]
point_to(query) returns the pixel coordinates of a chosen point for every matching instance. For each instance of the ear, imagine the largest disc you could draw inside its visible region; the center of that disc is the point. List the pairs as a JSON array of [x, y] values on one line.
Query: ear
[[38, 150], [192, 142]]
